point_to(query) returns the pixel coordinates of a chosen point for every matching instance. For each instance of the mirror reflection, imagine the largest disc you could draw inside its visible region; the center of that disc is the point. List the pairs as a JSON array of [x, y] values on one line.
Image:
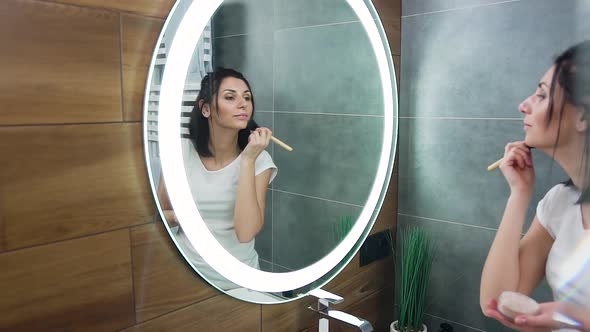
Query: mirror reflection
[[263, 71], [228, 169]]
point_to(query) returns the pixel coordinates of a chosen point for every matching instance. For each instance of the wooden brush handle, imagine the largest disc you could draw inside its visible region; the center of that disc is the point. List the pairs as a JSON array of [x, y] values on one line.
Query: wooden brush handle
[[281, 143], [495, 165], [499, 161]]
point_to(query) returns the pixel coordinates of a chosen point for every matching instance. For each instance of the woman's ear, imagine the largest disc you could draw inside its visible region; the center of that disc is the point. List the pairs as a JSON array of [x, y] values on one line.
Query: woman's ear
[[205, 110], [581, 122]]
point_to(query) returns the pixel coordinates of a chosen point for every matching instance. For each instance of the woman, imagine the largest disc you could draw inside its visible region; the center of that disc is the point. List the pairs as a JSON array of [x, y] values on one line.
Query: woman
[[555, 122], [227, 168]]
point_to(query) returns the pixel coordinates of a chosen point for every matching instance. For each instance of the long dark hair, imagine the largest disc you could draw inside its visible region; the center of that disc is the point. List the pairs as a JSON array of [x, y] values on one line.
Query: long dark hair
[[199, 125], [572, 73]]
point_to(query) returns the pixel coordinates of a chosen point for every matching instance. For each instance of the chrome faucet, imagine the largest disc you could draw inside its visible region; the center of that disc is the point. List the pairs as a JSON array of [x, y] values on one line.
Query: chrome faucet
[[323, 307]]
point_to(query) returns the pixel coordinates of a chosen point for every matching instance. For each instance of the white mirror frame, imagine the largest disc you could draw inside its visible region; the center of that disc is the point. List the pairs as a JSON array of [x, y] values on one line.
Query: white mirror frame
[[174, 76]]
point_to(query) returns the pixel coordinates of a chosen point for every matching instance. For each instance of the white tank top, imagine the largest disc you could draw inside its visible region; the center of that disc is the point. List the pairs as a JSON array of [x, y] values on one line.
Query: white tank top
[[214, 193], [568, 264]]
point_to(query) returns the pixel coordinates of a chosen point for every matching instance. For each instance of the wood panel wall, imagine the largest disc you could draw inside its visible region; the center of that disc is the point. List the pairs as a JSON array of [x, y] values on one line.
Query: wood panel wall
[[80, 247]]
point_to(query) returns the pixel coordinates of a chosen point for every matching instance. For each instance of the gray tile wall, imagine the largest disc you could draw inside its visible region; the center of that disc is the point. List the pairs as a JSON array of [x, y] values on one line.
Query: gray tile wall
[[465, 67], [242, 34], [314, 79]]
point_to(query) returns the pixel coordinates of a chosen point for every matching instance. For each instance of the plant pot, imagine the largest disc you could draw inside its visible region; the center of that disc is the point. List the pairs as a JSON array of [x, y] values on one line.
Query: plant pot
[[393, 328]]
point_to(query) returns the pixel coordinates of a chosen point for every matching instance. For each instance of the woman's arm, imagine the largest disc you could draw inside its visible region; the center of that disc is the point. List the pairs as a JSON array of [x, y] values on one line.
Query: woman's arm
[[514, 264], [546, 318], [165, 204], [502, 269], [250, 202], [251, 191]]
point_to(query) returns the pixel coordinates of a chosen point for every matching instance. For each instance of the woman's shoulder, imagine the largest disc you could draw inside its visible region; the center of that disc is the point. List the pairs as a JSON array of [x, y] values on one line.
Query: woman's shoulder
[[264, 162], [561, 191], [557, 207], [264, 156], [556, 199]]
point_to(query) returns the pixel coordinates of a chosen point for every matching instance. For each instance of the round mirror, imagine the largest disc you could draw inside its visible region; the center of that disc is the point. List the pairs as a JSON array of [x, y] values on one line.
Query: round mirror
[[268, 219]]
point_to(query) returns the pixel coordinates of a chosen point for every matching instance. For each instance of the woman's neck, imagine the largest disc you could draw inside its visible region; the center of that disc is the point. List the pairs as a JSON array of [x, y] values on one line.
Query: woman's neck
[[569, 157], [223, 143]]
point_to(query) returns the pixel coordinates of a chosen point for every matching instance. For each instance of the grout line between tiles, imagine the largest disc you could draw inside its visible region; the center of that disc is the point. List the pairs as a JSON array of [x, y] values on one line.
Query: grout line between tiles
[[335, 114], [272, 194], [25, 125], [106, 9], [131, 267], [122, 95], [230, 36], [460, 8], [318, 198], [316, 26], [173, 310], [448, 222], [457, 118], [76, 237], [451, 321]]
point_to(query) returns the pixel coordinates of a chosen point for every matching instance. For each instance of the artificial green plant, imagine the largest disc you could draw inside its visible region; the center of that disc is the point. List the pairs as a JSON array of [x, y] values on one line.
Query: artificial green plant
[[417, 253]]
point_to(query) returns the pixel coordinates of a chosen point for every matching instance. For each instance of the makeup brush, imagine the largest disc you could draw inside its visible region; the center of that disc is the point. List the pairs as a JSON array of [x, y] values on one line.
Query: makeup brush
[[497, 163], [252, 125]]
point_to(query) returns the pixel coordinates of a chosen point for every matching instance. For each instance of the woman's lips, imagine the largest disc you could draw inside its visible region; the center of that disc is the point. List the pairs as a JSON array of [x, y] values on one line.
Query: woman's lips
[[242, 116]]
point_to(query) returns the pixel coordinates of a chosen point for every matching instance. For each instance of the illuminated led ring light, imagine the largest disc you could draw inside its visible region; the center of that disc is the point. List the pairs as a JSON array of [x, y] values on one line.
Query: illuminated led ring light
[[178, 60]]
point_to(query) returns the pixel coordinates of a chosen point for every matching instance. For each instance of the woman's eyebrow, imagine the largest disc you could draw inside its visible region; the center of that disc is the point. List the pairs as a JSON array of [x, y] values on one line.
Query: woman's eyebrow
[[234, 91], [540, 85]]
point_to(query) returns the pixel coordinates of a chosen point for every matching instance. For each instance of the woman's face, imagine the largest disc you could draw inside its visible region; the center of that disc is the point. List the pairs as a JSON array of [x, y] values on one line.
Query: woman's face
[[535, 108], [232, 107]]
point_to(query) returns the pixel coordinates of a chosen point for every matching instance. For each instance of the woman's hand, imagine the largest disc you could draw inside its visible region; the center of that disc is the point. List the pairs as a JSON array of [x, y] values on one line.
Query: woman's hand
[[170, 217], [542, 321], [492, 312], [257, 141], [546, 316], [518, 169]]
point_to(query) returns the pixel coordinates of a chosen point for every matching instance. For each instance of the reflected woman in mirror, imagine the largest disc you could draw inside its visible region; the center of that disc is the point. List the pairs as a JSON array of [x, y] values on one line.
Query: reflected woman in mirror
[[556, 122], [228, 169]]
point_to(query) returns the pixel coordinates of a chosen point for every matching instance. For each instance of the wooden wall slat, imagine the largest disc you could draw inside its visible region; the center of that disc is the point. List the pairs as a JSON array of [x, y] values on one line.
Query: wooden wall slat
[[387, 217], [397, 64], [138, 40], [377, 308], [77, 285], [292, 316], [2, 230], [393, 31], [163, 281], [390, 14], [219, 313], [388, 9], [60, 64], [155, 8], [64, 181], [59, 182], [355, 282]]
